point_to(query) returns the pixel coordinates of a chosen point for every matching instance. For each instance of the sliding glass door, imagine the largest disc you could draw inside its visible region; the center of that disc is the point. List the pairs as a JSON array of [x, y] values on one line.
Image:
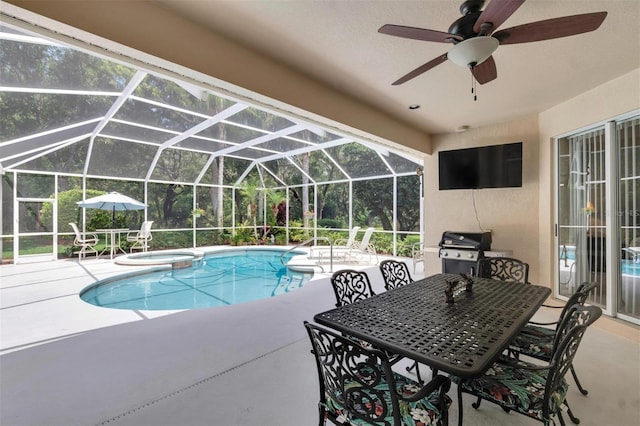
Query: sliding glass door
[[582, 232], [628, 136], [598, 215]]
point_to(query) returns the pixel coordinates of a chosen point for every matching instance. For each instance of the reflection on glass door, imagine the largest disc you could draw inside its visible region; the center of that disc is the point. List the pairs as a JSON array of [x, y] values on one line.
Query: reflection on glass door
[[628, 134], [598, 217], [582, 231]]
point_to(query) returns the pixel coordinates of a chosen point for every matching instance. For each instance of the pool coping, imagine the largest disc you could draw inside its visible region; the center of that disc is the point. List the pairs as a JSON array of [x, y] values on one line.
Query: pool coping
[[169, 257]]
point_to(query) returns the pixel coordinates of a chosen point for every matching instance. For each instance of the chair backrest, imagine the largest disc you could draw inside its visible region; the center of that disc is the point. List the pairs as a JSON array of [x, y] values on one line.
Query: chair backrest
[[364, 242], [76, 230], [350, 286], [353, 380], [145, 230], [503, 269], [395, 274], [579, 297], [568, 337], [352, 236]]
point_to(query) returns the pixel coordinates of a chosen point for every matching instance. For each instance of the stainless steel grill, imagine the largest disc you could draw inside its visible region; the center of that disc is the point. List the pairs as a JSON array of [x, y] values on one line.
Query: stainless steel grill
[[460, 251]]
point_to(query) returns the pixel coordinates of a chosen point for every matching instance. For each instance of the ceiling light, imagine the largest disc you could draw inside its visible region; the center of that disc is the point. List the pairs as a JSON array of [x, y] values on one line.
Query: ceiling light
[[414, 106], [473, 51]]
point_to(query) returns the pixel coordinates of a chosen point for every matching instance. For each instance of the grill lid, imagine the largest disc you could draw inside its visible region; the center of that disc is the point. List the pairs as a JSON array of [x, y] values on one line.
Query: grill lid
[[469, 240]]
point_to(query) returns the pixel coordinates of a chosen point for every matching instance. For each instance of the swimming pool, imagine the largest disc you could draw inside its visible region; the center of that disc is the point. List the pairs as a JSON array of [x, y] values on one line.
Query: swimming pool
[[221, 278]]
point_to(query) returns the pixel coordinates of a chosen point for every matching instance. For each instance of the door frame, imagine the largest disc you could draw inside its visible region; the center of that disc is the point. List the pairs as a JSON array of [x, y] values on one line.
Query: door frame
[[16, 225]]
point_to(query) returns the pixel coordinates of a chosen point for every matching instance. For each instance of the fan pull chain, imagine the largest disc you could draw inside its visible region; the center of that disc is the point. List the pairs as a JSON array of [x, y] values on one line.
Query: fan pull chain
[[474, 90]]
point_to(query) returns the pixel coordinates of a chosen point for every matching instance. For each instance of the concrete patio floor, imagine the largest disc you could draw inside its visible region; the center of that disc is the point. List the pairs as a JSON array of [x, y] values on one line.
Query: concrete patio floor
[[65, 362]]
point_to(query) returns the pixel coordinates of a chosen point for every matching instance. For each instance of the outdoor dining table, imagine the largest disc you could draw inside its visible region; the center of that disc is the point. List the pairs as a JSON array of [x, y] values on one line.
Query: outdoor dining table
[[112, 240], [462, 338]]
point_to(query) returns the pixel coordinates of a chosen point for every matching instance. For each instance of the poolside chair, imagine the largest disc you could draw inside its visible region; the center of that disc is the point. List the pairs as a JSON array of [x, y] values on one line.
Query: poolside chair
[[417, 254], [86, 242], [537, 391], [503, 269], [340, 247], [363, 248], [358, 387], [141, 238], [536, 338], [342, 243]]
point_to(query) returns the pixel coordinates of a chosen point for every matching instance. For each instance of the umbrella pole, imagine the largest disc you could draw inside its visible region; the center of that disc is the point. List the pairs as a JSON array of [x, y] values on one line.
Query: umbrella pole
[[113, 227]]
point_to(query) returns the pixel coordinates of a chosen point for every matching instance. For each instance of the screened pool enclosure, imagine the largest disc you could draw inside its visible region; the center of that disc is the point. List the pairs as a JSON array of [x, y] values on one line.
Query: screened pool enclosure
[[211, 169]]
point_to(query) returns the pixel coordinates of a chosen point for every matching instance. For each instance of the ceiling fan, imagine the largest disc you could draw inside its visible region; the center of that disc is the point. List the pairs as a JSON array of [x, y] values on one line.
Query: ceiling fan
[[475, 41]]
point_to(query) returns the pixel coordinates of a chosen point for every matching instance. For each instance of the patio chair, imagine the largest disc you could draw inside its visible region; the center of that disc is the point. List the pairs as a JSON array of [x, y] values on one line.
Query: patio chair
[[537, 391], [503, 269], [86, 242], [536, 339], [351, 286], [417, 254], [358, 387], [394, 273], [141, 238]]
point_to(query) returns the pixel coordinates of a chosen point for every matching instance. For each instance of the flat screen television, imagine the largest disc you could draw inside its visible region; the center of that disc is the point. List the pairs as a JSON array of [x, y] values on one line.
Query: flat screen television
[[494, 166]]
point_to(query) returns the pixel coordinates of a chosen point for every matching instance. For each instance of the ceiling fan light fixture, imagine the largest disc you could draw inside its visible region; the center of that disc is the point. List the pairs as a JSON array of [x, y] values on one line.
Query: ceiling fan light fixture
[[473, 51]]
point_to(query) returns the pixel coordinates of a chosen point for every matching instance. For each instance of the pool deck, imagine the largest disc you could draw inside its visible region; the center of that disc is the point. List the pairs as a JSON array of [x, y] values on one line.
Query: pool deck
[[65, 362]]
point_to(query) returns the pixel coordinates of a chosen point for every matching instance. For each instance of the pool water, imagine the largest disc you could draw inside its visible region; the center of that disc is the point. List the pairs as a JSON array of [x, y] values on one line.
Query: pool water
[[221, 279], [630, 268], [627, 267]]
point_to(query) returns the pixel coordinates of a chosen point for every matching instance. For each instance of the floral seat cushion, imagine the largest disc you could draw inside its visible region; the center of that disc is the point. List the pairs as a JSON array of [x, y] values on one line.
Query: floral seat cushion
[[516, 388], [423, 412], [534, 341]]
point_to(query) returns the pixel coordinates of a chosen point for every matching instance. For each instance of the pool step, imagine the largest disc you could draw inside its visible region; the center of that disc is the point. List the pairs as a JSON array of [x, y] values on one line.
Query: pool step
[[288, 283], [301, 263]]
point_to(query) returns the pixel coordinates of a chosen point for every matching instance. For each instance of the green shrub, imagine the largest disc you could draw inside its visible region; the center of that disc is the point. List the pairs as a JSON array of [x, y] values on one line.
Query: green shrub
[[171, 240], [68, 210], [330, 223]]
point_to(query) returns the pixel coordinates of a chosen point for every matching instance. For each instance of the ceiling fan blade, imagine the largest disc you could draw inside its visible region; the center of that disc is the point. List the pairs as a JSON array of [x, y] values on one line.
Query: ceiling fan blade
[[551, 28], [418, 33], [421, 69], [496, 13], [485, 71]]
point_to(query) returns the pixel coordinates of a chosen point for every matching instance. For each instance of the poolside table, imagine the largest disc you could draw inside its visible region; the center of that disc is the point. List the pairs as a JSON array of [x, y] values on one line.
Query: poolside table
[[462, 338], [112, 240]]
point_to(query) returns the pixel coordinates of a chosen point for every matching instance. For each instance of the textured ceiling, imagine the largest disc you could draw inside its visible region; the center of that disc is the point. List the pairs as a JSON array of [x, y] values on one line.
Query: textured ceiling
[[337, 43]]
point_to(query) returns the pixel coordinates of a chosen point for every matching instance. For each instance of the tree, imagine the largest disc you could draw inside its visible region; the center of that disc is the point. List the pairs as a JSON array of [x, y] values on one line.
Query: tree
[[250, 190]]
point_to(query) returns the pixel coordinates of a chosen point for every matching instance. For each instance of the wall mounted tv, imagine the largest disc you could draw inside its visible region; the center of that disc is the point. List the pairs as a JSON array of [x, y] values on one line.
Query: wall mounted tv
[[494, 166]]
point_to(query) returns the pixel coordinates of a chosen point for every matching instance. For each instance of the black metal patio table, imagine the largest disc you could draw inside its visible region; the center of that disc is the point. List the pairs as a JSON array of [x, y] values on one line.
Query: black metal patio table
[[462, 338]]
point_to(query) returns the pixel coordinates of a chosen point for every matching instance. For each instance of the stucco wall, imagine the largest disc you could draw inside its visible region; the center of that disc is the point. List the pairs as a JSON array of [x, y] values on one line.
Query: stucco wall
[[521, 219], [510, 213]]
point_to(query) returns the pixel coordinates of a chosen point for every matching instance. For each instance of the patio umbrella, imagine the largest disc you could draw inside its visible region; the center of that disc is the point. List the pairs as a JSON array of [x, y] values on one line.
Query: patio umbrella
[[112, 201]]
